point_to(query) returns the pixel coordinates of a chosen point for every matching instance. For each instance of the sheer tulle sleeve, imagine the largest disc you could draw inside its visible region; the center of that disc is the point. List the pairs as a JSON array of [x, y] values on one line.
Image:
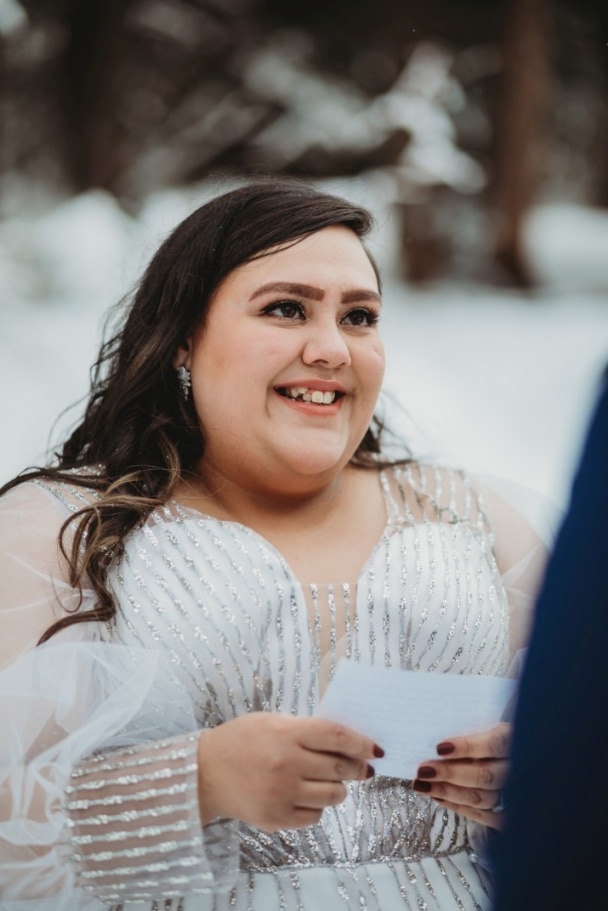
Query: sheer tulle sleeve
[[523, 525], [98, 748]]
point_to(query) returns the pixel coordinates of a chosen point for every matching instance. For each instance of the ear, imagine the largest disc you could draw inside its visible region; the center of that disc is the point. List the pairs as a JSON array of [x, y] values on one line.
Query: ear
[[182, 355]]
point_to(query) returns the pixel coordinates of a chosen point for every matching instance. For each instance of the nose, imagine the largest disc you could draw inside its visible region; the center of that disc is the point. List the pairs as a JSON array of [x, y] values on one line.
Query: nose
[[326, 346]]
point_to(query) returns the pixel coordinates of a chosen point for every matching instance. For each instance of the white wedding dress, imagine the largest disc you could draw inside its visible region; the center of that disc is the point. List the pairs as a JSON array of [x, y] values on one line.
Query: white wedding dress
[[98, 788]]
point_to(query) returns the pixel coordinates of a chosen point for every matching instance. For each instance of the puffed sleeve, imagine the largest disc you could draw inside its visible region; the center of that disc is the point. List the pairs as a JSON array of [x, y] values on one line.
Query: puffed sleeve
[[98, 746]]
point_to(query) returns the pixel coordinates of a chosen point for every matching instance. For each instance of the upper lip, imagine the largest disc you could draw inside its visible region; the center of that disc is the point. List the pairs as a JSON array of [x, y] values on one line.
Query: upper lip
[[313, 385]]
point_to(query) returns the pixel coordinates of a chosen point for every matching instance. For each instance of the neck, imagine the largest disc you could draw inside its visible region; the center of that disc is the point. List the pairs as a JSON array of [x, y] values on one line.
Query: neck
[[260, 504]]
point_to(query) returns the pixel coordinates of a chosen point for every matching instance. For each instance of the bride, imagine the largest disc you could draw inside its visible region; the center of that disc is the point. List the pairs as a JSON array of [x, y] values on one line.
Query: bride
[[219, 529]]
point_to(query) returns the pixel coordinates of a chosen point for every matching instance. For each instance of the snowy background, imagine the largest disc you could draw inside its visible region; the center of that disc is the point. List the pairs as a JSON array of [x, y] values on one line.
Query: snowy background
[[499, 381]]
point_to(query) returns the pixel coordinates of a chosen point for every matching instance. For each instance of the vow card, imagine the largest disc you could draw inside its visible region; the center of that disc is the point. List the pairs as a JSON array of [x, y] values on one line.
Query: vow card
[[409, 712]]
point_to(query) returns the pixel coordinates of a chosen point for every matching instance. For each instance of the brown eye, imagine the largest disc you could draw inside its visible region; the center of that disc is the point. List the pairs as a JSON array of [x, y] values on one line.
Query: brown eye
[[286, 310], [361, 316]]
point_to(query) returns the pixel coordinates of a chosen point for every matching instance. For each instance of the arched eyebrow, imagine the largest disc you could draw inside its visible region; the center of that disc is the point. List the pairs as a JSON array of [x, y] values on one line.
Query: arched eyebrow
[[356, 295]]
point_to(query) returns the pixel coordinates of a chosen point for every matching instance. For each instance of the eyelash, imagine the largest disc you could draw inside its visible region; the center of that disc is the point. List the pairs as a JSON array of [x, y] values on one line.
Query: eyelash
[[371, 317]]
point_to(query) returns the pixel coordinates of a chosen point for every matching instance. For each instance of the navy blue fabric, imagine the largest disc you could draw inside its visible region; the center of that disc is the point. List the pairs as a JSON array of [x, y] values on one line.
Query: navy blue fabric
[[552, 854]]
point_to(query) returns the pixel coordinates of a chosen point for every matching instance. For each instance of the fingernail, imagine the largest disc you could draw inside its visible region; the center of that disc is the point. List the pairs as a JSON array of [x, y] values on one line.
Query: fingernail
[[378, 751], [423, 786], [445, 748], [370, 771], [426, 771]]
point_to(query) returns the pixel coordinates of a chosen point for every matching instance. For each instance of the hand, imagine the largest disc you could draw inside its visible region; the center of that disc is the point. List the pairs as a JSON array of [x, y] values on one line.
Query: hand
[[277, 771], [471, 779]]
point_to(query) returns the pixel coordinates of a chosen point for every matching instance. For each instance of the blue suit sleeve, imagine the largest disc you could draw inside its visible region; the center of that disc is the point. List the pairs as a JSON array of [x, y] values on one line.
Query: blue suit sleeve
[[551, 853]]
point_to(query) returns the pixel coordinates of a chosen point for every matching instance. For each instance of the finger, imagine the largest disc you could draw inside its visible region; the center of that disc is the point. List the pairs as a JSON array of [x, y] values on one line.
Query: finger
[[322, 735], [475, 798], [335, 767], [492, 744], [315, 795], [480, 773], [304, 806]]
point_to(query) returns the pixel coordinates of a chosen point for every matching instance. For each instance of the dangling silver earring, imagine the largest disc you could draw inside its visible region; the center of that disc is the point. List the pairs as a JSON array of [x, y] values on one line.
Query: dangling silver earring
[[183, 378]]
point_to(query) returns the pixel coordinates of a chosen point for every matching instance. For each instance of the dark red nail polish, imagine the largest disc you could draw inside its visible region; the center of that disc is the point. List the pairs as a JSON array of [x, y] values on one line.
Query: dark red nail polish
[[445, 748], [426, 771], [370, 771], [423, 786], [378, 751]]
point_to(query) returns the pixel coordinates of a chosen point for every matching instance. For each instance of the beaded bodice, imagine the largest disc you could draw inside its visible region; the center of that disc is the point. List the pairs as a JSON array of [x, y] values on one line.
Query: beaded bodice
[[243, 634]]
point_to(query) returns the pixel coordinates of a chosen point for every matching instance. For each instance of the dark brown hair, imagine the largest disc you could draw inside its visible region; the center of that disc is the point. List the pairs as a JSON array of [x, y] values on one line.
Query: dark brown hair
[[139, 435]]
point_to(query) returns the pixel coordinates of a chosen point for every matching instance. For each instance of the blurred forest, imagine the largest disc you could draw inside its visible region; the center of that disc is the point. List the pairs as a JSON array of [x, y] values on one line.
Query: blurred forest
[[472, 110]]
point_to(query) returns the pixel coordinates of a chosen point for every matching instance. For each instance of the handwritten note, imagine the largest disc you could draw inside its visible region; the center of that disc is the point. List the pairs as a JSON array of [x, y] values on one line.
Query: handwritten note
[[409, 712]]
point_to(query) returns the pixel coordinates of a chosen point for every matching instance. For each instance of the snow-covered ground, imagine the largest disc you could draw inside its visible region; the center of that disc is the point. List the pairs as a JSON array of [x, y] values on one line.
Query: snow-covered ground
[[500, 382]]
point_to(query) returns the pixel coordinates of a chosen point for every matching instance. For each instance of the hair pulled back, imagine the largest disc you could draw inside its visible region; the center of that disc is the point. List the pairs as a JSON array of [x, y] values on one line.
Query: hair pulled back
[[139, 435]]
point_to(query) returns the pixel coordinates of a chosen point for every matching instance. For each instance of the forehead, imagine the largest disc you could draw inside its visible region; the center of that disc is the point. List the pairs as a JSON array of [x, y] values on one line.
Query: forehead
[[332, 255]]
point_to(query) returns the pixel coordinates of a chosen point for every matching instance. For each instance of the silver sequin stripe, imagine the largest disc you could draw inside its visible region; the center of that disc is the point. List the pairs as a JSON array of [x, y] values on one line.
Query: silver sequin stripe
[[122, 853]]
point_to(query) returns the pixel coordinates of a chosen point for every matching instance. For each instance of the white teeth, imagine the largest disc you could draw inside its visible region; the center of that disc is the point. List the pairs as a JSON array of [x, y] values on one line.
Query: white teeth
[[316, 396]]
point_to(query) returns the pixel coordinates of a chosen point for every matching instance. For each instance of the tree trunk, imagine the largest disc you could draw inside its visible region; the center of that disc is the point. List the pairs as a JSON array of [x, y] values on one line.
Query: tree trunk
[[522, 119], [91, 90]]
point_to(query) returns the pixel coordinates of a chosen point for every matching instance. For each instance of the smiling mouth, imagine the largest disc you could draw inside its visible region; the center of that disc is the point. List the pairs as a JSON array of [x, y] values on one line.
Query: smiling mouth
[[315, 396]]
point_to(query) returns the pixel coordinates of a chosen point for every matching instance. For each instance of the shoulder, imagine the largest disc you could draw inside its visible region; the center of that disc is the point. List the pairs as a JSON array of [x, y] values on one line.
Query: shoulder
[[39, 508], [32, 500], [75, 490], [428, 491], [518, 521], [523, 523]]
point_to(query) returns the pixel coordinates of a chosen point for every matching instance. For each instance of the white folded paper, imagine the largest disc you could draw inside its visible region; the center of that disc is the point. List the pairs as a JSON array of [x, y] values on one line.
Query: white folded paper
[[408, 713]]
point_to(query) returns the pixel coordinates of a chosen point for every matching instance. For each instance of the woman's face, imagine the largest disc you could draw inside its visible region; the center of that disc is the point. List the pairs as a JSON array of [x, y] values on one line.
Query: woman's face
[[287, 368]]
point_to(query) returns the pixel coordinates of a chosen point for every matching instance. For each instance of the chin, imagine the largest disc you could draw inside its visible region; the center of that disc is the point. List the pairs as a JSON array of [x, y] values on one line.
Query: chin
[[317, 462]]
